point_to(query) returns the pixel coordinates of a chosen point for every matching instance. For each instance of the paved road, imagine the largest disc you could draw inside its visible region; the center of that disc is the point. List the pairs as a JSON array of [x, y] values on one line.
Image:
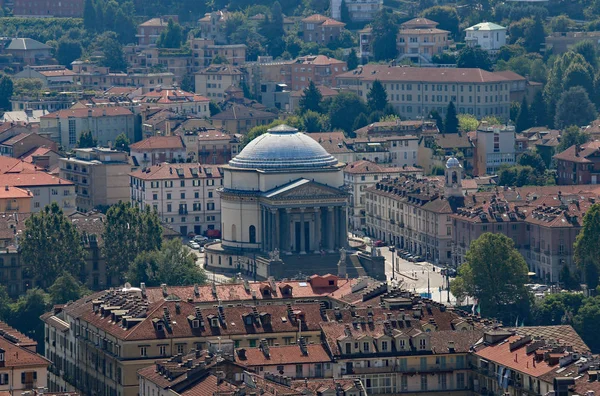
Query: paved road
[[218, 277], [419, 277]]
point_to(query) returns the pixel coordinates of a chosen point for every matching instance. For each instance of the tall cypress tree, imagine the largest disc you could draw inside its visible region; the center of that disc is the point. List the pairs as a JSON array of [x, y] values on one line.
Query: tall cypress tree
[[451, 122], [523, 119]]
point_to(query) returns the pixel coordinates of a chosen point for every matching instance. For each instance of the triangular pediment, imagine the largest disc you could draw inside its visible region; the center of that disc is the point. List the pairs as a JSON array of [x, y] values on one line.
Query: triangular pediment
[[304, 188]]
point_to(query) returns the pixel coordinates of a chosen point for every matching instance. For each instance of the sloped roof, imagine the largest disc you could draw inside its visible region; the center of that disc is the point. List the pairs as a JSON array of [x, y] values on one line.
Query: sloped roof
[[158, 143], [486, 26], [25, 44]]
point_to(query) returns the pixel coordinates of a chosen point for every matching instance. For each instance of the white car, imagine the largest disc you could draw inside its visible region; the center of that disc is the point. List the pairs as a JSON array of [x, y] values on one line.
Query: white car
[[540, 288], [200, 238], [194, 245]]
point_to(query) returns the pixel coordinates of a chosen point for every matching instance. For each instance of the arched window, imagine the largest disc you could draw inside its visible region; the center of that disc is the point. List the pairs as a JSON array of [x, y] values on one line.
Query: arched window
[[454, 177], [233, 233], [252, 234]]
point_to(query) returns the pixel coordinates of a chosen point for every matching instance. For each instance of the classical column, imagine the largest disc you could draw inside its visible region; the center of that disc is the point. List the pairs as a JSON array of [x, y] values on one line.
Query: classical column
[[263, 230], [343, 224], [302, 234], [289, 241], [276, 228], [317, 234], [331, 229]]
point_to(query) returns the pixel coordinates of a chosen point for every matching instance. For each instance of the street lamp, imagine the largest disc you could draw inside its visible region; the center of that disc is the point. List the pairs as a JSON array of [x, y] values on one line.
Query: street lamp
[[393, 250]]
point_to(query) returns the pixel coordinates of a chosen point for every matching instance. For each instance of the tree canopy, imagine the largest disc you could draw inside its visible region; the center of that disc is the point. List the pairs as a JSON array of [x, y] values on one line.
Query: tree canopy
[[574, 108], [474, 57], [86, 140], [344, 108], [385, 28], [171, 36], [587, 248], [51, 245], [377, 97], [311, 98], [451, 121], [495, 274]]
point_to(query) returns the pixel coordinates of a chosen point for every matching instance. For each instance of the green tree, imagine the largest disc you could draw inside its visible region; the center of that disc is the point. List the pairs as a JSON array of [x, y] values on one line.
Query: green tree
[[567, 279], [352, 60], [5, 304], [188, 83], [587, 248], [89, 15], [377, 96], [533, 159], [446, 16], [571, 136], [495, 274], [214, 108], [474, 57], [588, 50], [587, 322], [343, 106], [385, 28], [171, 37], [535, 35], [557, 308], [26, 311], [66, 288], [311, 98], [128, 232], [174, 264], [86, 140], [574, 108], [579, 75], [345, 13], [524, 118], [113, 53], [439, 121], [538, 110], [360, 121], [561, 23], [451, 121], [6, 92], [26, 86], [67, 51], [51, 245], [314, 122], [122, 142]]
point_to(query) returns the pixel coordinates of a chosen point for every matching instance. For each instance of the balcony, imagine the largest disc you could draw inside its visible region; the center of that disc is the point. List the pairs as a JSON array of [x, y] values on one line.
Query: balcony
[[407, 369]]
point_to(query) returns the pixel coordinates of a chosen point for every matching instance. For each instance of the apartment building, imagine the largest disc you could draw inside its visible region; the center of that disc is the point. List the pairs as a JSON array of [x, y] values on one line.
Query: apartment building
[[365, 37], [434, 150], [124, 344], [148, 32], [415, 214], [239, 119], [579, 164], [177, 61], [184, 195], [214, 80], [15, 199], [92, 76], [43, 8], [158, 149], [21, 368], [398, 127], [494, 146], [178, 101], [212, 26], [359, 10], [320, 29], [419, 39], [45, 188], [320, 69], [23, 143], [52, 76], [543, 222], [561, 42], [100, 176], [216, 147], [105, 124], [362, 174], [487, 36], [415, 92], [204, 51]]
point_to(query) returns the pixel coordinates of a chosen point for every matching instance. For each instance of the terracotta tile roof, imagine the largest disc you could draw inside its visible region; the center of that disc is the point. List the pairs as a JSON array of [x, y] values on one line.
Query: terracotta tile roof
[[32, 179], [368, 167], [15, 336], [14, 165], [168, 171], [155, 22], [511, 75], [158, 143], [419, 74], [322, 20], [419, 22], [321, 386], [579, 154], [318, 60], [19, 357], [95, 112], [209, 386], [10, 224], [241, 112], [15, 139], [163, 96], [332, 142], [281, 355], [325, 92], [9, 192], [221, 69], [564, 334], [38, 151], [518, 359], [418, 31], [56, 73]]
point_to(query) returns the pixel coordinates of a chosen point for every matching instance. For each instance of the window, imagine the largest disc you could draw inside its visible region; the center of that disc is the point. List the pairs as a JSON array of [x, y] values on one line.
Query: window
[[299, 371], [143, 351], [154, 197], [182, 183], [182, 195], [442, 381], [252, 234], [460, 380], [365, 347], [384, 346], [422, 343], [404, 383], [252, 343], [4, 379], [162, 350], [72, 132], [168, 195], [423, 382], [181, 348]]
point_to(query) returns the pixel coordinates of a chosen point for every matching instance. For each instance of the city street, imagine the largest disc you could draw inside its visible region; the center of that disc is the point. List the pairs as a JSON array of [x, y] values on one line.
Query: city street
[[417, 276], [210, 275]]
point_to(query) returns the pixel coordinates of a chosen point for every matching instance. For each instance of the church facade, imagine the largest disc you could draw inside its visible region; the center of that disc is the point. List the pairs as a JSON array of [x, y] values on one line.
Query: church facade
[[282, 200]]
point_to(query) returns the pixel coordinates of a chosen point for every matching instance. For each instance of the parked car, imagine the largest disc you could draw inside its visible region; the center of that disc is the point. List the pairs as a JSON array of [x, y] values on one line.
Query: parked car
[[194, 245], [541, 288], [201, 249], [379, 243], [200, 238]]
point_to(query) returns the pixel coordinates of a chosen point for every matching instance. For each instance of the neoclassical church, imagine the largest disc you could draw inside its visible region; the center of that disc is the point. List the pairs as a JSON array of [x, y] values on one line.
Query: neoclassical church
[[282, 205]]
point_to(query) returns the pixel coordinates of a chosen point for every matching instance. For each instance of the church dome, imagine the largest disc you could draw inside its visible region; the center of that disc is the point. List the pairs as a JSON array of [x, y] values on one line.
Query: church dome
[[452, 163], [283, 147]]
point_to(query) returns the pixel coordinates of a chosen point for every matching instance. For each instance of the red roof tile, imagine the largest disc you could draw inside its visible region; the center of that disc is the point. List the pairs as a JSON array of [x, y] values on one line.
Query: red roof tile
[[288, 354], [158, 143], [94, 112], [16, 356]]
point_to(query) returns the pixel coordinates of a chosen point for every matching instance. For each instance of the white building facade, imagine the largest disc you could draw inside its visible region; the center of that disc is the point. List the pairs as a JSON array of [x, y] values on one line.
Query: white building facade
[[487, 36]]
